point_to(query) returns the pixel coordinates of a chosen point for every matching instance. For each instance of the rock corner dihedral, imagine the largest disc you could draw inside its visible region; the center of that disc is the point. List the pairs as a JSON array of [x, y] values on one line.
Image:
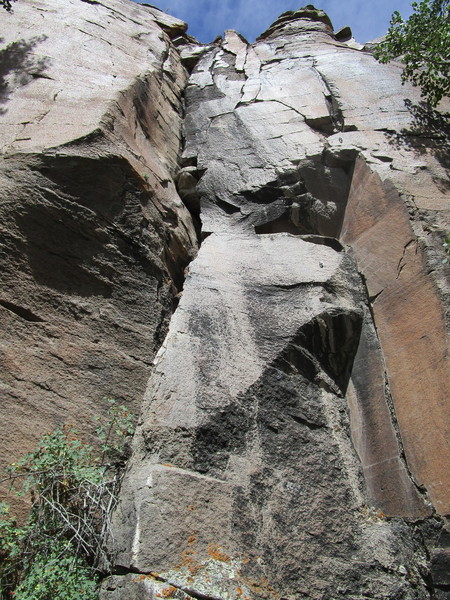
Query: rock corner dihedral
[[289, 198]]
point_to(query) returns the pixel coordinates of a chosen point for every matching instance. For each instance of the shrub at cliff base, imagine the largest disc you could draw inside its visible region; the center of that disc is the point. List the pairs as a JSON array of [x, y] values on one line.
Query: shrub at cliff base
[[60, 552]]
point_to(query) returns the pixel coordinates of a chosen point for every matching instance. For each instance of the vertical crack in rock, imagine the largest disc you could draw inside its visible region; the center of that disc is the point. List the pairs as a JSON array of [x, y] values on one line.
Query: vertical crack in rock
[[420, 489], [401, 262], [389, 482], [333, 105]]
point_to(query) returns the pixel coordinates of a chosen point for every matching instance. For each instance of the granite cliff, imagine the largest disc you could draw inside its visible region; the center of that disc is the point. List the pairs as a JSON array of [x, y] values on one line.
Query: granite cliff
[[243, 241]]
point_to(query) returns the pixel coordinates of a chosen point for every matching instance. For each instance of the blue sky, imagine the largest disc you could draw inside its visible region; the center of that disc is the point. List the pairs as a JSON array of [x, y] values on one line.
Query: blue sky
[[208, 18]]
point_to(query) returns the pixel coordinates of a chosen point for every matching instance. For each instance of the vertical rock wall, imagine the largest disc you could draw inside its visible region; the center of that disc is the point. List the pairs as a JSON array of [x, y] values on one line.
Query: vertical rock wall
[[94, 237], [278, 454], [293, 440]]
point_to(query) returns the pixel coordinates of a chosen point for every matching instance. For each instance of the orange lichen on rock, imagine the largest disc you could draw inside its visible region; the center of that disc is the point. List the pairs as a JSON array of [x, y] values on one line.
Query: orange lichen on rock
[[187, 557], [262, 588], [141, 577], [194, 567], [169, 592], [215, 552]]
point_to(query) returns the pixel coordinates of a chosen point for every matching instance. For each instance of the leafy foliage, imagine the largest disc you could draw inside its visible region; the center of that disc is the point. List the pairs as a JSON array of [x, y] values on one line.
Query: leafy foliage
[[446, 246], [423, 43], [58, 553], [59, 575], [120, 424]]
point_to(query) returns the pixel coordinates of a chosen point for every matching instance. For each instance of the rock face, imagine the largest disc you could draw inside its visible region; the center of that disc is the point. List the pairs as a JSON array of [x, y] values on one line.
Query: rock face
[[293, 440], [94, 237]]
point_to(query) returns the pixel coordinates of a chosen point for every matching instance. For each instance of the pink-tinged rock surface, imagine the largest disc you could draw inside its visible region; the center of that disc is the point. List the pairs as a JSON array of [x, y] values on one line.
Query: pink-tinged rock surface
[[389, 484], [94, 237], [410, 322]]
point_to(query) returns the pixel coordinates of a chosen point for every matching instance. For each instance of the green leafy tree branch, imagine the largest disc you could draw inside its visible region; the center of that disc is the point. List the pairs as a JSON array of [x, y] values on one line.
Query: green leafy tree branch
[[423, 44]]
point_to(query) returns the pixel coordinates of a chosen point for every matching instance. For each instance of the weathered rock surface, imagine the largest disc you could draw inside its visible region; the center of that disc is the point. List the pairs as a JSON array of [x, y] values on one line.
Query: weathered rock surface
[[410, 324], [94, 237], [293, 441], [243, 471], [291, 445]]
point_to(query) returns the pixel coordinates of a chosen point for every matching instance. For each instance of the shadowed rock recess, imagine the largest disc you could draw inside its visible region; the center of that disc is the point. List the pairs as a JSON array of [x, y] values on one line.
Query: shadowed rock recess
[[294, 430]]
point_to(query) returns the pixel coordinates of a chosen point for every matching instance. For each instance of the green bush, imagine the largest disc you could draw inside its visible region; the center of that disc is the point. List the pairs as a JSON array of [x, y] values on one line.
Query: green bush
[[60, 551], [60, 575]]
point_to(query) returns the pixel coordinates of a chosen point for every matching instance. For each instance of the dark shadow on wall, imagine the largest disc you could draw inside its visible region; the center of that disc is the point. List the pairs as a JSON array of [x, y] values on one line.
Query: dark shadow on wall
[[19, 66], [82, 228], [310, 200], [429, 132]]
